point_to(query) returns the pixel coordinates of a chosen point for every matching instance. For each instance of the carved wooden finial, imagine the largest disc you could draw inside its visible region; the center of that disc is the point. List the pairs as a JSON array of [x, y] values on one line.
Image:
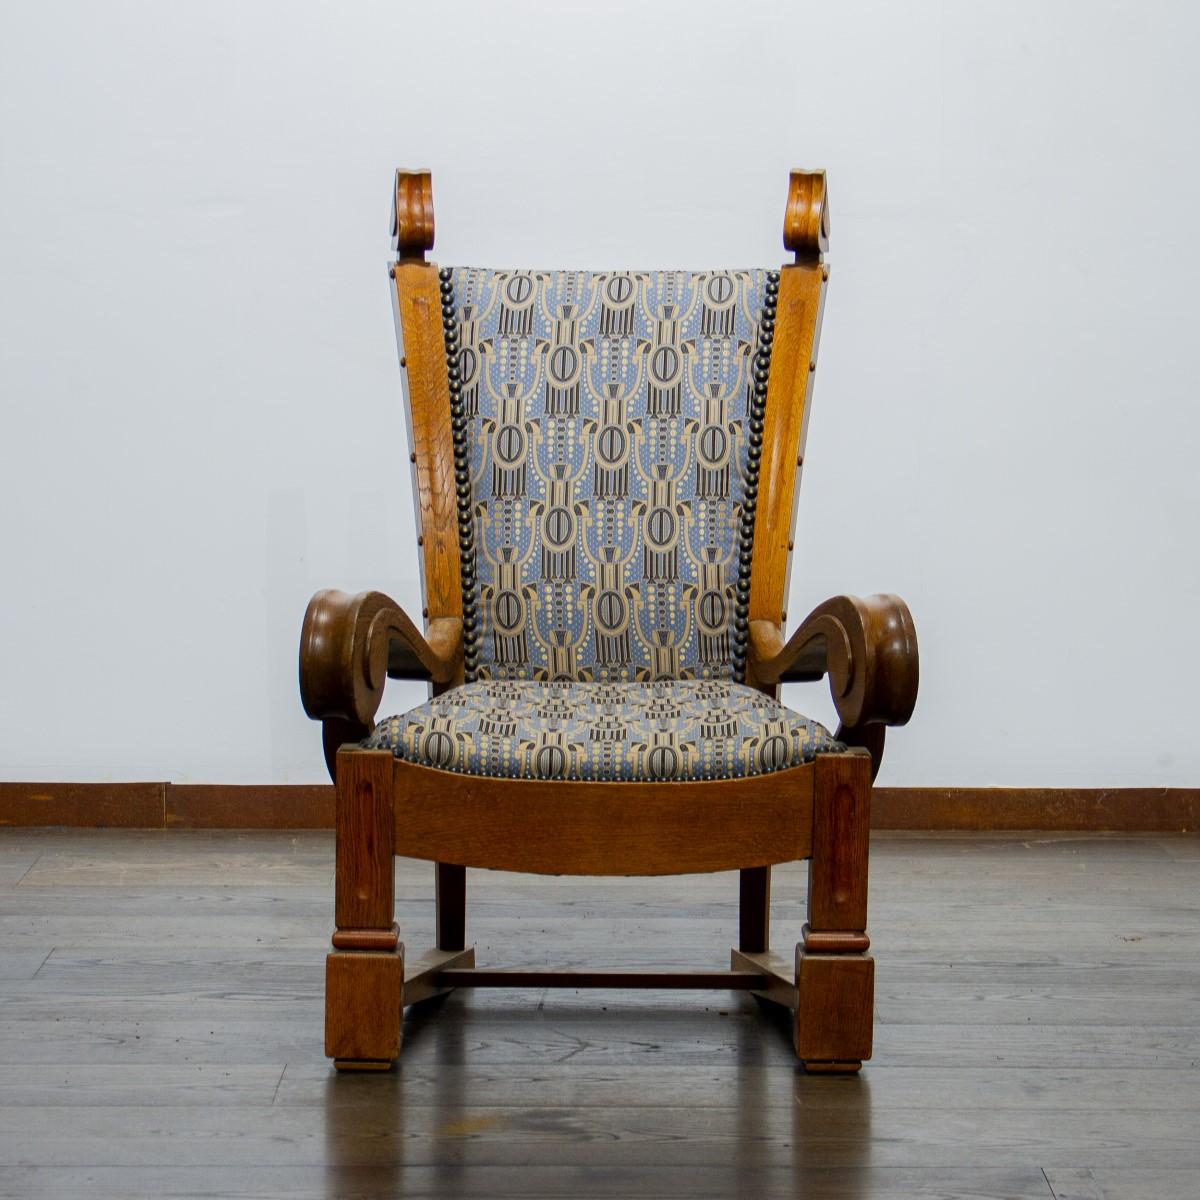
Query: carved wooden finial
[[806, 219], [412, 214]]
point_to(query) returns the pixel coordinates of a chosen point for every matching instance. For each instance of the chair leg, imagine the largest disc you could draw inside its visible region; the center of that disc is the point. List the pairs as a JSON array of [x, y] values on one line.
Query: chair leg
[[364, 976], [835, 976], [754, 910], [450, 883]]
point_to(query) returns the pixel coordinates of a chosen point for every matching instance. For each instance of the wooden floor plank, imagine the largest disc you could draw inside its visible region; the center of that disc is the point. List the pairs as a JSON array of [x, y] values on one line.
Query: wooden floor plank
[[463, 1134], [116, 1085], [532, 1180], [775, 1085], [1116, 1183], [22, 964]]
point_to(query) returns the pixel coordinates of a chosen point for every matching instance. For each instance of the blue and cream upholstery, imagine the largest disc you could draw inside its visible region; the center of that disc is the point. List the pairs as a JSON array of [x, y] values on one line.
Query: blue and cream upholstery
[[608, 429], [680, 730]]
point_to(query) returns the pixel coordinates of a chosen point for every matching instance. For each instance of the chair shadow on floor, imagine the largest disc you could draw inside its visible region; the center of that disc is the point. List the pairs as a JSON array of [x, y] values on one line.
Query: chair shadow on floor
[[649, 1100]]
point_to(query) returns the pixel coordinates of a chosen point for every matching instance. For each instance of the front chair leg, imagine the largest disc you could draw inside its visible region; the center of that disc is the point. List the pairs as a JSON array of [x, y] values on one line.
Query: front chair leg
[[364, 976], [835, 976]]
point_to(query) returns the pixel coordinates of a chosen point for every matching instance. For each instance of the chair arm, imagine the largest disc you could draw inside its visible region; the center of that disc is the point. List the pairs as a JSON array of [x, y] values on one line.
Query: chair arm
[[868, 648], [350, 644]]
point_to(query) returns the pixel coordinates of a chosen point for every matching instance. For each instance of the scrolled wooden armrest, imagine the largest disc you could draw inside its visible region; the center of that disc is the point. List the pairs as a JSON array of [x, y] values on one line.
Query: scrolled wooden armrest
[[350, 644], [867, 647]]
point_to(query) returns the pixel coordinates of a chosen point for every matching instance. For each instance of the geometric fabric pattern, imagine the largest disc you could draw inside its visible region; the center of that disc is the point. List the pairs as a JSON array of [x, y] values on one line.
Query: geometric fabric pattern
[[608, 431], [624, 732]]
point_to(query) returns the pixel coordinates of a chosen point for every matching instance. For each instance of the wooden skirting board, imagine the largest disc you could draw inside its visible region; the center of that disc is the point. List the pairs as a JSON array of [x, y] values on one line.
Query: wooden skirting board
[[168, 805], [310, 806], [1118, 810]]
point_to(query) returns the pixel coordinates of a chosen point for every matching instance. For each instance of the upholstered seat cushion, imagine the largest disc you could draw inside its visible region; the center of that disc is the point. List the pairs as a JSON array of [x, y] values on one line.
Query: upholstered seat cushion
[[676, 730]]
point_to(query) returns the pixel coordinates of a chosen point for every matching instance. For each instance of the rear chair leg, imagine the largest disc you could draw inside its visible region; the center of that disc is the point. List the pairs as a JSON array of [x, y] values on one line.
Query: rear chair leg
[[754, 910], [450, 903], [364, 976], [835, 976]]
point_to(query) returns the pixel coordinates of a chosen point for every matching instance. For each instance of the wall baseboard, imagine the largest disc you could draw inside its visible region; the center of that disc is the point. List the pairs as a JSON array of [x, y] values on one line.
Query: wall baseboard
[[168, 805], [310, 806], [1115, 810]]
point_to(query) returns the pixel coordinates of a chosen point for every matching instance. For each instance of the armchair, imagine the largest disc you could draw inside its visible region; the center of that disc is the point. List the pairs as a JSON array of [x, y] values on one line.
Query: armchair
[[605, 468]]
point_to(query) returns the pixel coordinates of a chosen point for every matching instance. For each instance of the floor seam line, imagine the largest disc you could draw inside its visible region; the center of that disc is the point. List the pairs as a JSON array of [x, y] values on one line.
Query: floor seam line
[[29, 868], [43, 962]]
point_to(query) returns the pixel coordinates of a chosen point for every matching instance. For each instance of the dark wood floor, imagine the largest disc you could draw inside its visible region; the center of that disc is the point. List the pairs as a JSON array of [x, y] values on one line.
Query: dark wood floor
[[1038, 1032]]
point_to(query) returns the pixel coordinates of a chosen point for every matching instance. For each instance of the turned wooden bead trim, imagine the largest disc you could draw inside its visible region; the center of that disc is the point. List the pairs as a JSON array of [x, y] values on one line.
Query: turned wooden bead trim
[[756, 423], [366, 939], [462, 478], [834, 943]]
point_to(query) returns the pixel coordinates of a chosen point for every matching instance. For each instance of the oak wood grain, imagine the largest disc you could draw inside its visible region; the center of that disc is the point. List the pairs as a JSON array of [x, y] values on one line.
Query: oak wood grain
[[362, 1008], [310, 806], [412, 214], [102, 805], [420, 982], [364, 868], [249, 806], [867, 647], [837, 876], [789, 395], [427, 392], [835, 1010], [589, 828], [806, 217], [781, 975]]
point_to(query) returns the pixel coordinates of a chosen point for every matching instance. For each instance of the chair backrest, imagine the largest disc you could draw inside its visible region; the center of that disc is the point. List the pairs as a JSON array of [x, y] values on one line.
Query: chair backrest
[[611, 430], [617, 464]]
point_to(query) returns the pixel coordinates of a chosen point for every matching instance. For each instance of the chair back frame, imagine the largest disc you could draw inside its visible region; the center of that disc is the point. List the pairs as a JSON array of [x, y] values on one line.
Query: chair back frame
[[420, 328]]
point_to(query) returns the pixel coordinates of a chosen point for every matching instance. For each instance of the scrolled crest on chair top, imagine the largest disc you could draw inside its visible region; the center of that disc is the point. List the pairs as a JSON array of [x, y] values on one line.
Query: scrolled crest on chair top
[[607, 436], [412, 214], [806, 219]]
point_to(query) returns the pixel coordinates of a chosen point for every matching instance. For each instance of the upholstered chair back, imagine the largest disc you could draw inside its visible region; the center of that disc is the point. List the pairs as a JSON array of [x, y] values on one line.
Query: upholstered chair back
[[607, 435]]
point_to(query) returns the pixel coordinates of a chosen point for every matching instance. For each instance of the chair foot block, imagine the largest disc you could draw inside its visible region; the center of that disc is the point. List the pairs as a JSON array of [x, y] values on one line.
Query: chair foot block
[[363, 1064], [362, 1007], [835, 1009], [849, 1067]]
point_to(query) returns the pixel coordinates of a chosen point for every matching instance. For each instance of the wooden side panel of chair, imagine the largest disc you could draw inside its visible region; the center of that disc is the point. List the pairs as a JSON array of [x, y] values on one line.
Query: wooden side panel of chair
[[418, 310], [423, 356], [789, 393], [551, 827]]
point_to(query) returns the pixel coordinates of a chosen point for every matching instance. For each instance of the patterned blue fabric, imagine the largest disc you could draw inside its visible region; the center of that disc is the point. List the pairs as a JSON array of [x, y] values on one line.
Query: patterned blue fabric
[[628, 732], [605, 425]]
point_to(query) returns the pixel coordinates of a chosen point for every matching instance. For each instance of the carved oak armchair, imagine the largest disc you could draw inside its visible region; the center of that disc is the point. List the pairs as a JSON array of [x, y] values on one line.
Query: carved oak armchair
[[606, 467]]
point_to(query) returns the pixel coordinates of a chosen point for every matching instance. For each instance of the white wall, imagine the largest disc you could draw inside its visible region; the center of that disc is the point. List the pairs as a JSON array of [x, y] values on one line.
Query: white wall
[[201, 419]]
